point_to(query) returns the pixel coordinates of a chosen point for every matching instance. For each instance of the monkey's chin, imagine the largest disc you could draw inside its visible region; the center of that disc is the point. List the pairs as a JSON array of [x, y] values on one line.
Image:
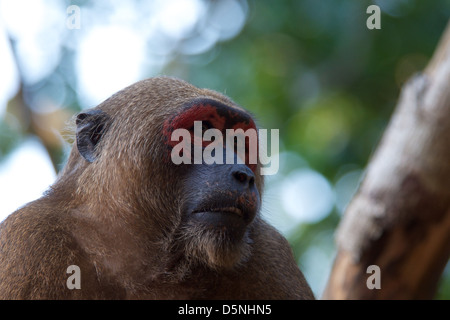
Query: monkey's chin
[[229, 225], [218, 239]]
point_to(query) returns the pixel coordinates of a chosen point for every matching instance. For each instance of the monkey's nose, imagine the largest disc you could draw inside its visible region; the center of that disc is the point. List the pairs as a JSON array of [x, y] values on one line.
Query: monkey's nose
[[244, 176]]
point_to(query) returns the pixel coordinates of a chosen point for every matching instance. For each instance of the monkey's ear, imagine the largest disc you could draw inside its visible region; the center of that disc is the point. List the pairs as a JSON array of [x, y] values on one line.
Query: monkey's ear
[[91, 125]]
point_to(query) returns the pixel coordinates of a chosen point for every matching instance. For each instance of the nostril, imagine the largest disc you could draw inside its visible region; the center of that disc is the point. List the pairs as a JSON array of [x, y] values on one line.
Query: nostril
[[240, 176], [244, 177]]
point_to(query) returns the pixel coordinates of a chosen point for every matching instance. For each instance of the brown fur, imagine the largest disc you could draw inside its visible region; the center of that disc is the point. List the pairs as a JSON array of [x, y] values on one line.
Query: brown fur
[[118, 218]]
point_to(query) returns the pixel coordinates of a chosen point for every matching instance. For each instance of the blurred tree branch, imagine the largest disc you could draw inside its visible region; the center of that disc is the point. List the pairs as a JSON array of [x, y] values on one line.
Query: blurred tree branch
[[31, 121], [399, 219]]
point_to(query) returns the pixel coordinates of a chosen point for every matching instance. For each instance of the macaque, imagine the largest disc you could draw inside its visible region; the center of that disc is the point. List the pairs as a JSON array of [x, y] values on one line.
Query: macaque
[[123, 221]]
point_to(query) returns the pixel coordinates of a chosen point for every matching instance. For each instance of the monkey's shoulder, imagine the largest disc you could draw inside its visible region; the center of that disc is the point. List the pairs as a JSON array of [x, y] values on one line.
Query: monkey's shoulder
[[269, 242], [35, 227], [36, 248], [272, 267]]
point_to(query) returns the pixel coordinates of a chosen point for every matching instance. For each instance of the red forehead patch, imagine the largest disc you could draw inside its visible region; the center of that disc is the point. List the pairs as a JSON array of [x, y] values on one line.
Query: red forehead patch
[[212, 114]]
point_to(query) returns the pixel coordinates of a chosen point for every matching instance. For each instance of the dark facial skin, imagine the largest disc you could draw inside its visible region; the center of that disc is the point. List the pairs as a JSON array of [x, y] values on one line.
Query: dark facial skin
[[221, 198]]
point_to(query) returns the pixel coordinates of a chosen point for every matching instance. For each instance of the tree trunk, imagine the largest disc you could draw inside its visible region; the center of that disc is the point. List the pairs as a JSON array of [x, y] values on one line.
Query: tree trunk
[[399, 220]]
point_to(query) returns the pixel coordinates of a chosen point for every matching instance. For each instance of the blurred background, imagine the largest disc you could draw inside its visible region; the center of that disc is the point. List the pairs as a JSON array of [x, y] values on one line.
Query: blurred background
[[311, 69]]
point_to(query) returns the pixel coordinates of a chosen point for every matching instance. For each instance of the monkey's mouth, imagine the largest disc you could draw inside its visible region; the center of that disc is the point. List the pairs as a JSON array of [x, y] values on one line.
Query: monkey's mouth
[[231, 216], [225, 210]]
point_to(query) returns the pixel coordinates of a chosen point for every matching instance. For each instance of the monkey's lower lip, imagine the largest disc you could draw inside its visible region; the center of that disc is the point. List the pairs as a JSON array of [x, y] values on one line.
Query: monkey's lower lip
[[223, 220], [220, 214], [232, 210], [224, 210]]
